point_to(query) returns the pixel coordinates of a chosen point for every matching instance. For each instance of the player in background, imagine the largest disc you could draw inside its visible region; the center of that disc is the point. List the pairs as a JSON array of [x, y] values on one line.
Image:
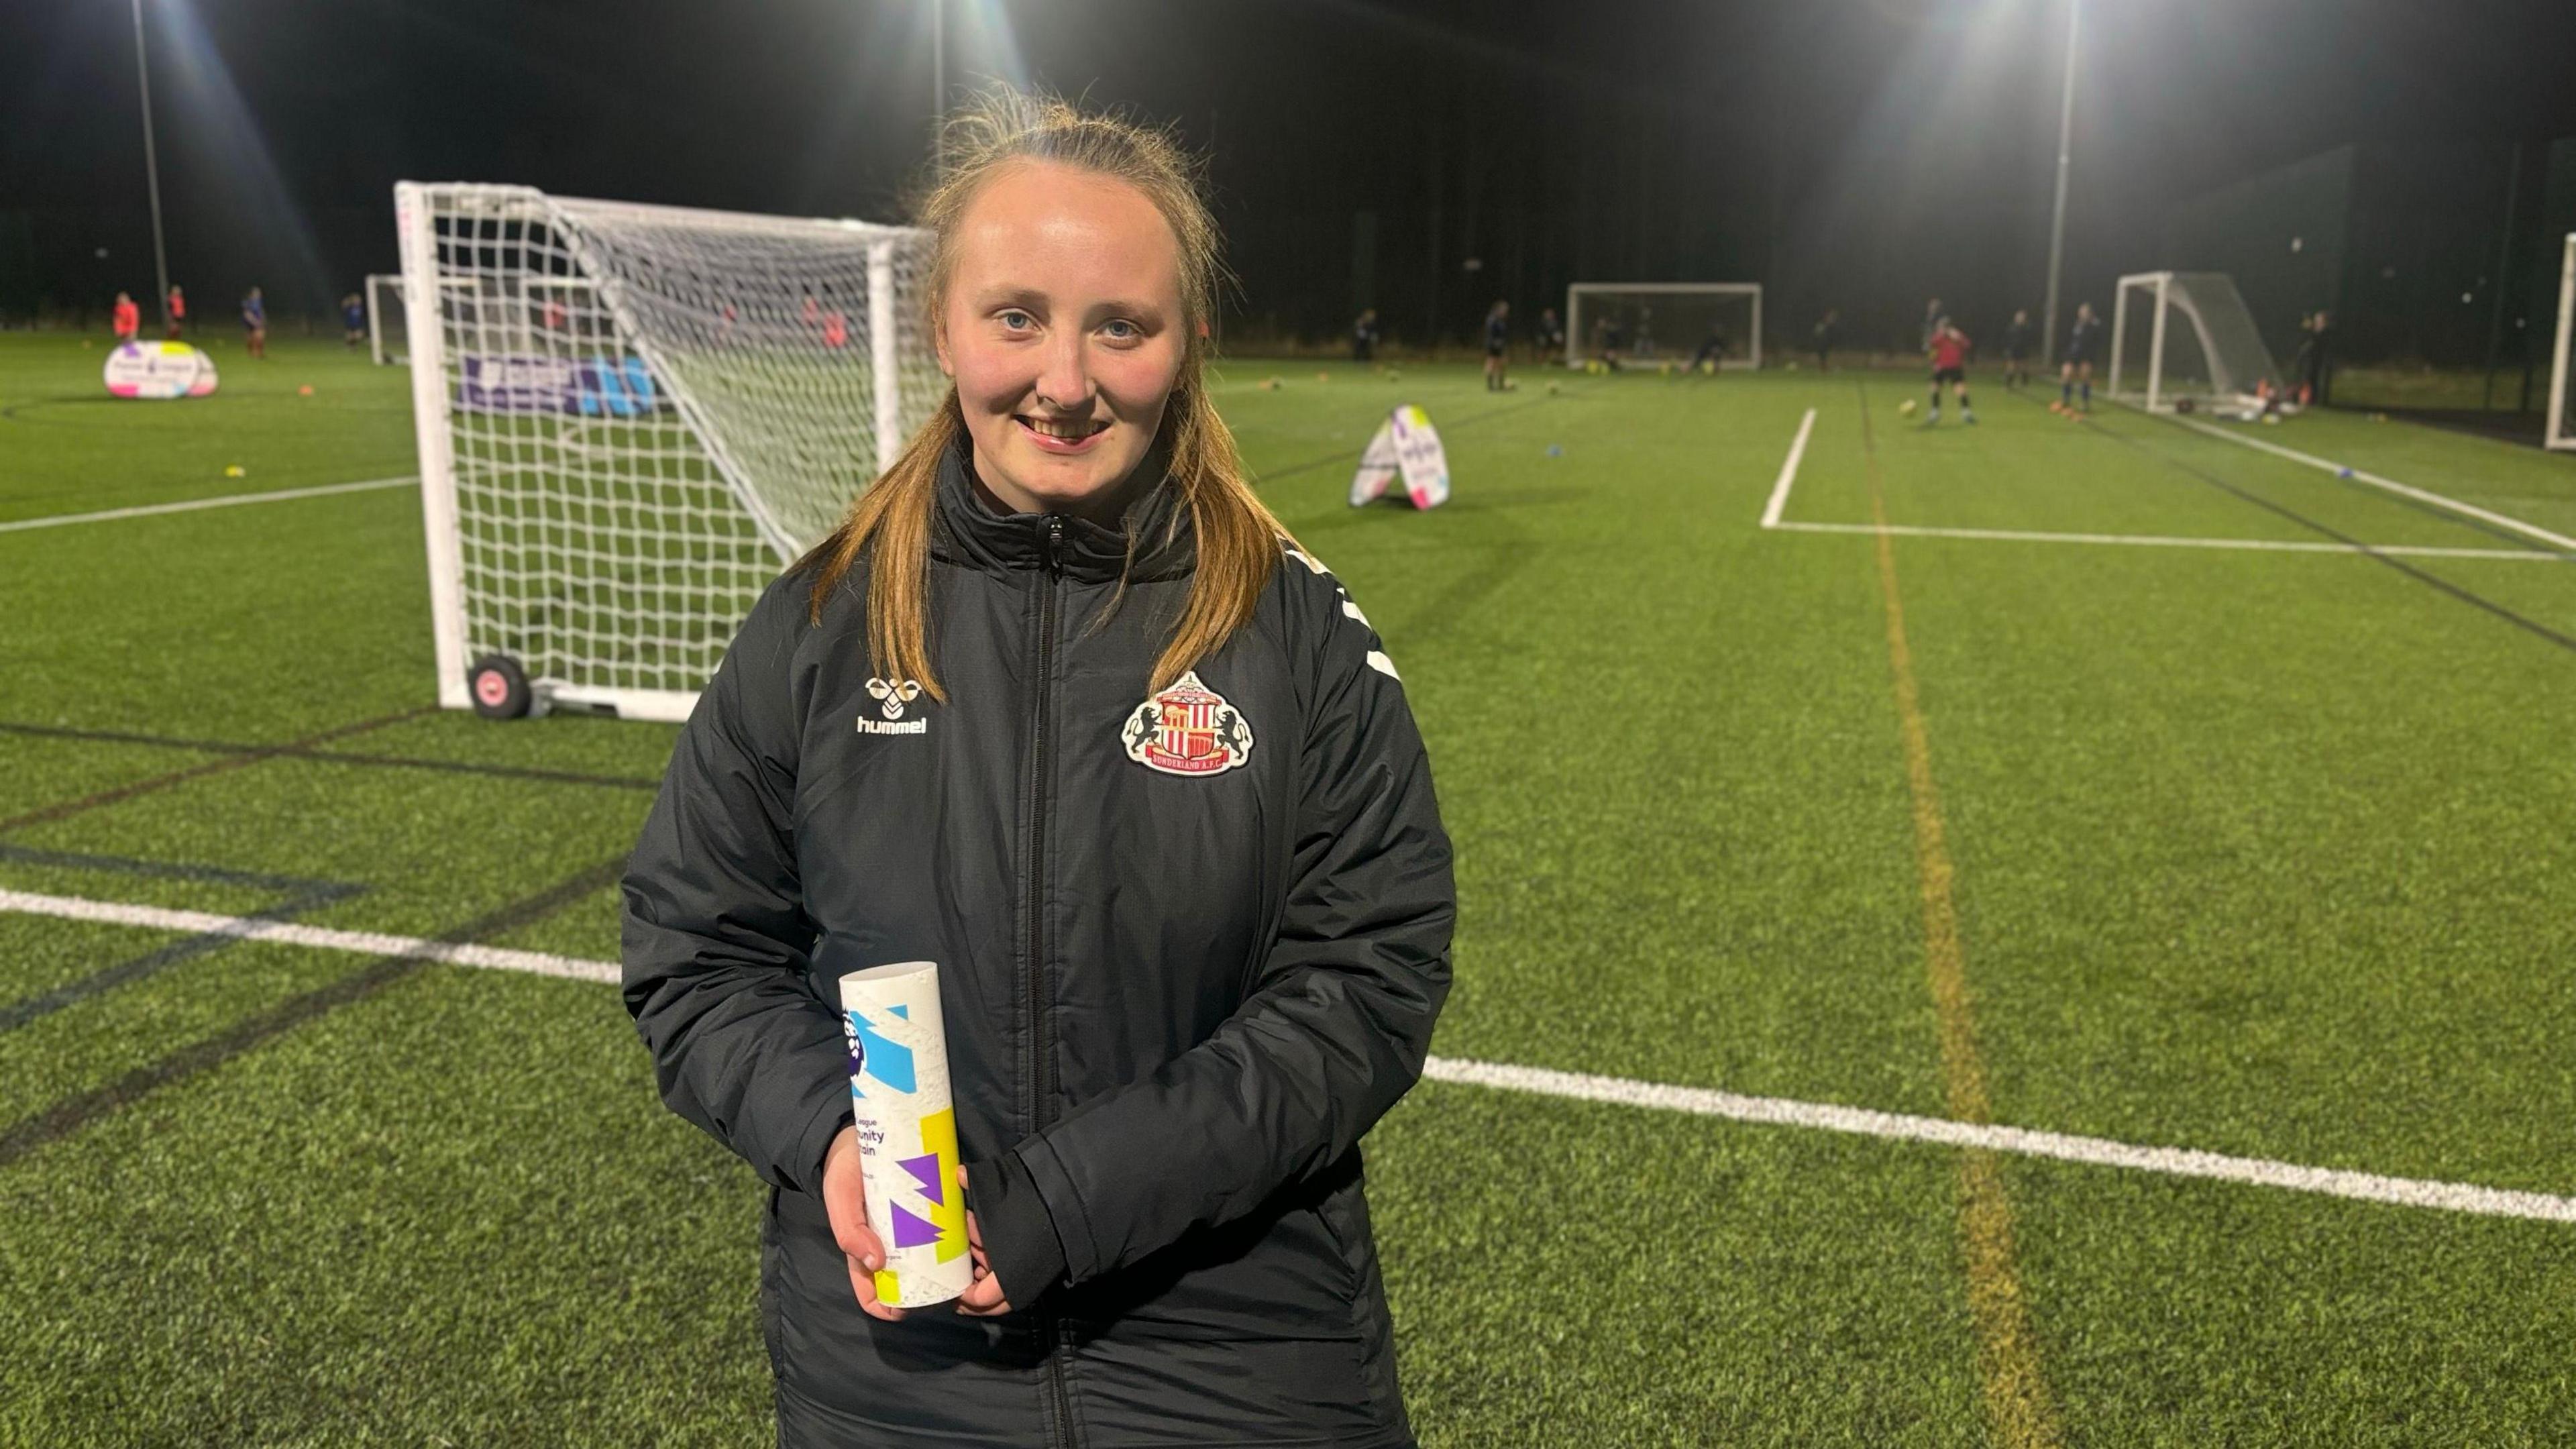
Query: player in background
[[1609, 342], [2082, 342], [255, 323], [2017, 351], [1712, 349], [125, 317], [175, 315], [2319, 362], [1551, 337], [1498, 339], [1932, 316], [1950, 364], [353, 320], [1828, 328], [1364, 336]]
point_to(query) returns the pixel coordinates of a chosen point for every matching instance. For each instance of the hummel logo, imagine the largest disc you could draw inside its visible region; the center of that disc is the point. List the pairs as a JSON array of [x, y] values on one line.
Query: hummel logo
[[894, 694]]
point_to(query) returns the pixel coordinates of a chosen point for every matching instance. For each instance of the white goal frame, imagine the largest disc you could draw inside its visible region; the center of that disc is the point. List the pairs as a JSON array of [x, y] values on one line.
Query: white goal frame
[[1575, 293], [2167, 301], [444, 313], [379, 285], [2562, 368]]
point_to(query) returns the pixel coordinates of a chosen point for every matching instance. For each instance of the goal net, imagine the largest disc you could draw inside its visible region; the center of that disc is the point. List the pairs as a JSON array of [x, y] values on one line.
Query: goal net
[[1651, 324], [2562, 362], [2182, 338], [632, 417], [388, 329]]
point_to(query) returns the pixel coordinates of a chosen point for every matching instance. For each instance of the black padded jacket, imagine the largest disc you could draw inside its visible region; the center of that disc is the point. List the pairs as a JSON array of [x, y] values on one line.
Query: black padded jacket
[[1191, 948]]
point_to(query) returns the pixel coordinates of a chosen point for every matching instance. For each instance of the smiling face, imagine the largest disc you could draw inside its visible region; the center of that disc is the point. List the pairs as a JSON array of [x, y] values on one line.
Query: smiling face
[[1064, 330]]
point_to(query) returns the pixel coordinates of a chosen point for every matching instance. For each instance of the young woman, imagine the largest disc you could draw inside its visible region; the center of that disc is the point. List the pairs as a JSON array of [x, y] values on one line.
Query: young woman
[[1498, 343], [1061, 708], [2017, 351], [254, 313], [1949, 350], [2082, 341]]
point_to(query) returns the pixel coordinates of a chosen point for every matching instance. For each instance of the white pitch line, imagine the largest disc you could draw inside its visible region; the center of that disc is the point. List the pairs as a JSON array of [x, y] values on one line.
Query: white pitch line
[[365, 943], [2148, 540], [190, 505], [1788, 473], [2408, 490], [2455, 1197], [1699, 1101]]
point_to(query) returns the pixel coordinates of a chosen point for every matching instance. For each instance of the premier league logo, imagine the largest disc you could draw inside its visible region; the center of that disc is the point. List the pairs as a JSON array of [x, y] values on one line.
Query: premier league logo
[[1188, 729]]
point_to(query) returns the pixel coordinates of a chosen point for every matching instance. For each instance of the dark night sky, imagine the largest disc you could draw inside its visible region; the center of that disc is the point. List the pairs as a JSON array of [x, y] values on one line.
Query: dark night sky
[[1860, 151]]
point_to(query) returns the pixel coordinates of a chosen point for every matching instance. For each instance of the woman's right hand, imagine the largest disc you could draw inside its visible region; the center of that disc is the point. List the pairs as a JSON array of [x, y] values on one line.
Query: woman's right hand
[[845, 1200]]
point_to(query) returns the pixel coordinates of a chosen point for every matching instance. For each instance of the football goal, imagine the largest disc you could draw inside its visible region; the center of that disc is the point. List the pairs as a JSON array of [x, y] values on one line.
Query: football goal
[[1631, 324], [2562, 367], [2183, 340], [630, 419], [387, 326]]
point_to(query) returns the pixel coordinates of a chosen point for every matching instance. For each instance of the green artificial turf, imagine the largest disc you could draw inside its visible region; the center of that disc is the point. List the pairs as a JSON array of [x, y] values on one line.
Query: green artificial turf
[[2268, 853]]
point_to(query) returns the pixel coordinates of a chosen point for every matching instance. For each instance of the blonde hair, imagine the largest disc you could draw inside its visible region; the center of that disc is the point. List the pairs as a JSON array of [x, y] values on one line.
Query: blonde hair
[[1237, 538]]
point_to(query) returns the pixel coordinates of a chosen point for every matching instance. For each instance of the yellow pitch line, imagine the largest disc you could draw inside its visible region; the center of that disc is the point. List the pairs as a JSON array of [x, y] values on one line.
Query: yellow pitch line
[[2007, 1350]]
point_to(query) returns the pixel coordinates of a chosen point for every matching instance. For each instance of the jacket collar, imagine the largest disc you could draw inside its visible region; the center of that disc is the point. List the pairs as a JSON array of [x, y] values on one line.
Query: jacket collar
[[1143, 546]]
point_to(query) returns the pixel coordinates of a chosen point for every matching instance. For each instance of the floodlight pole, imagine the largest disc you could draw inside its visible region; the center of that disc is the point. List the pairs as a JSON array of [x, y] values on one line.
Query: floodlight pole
[[938, 66], [152, 169], [2057, 218]]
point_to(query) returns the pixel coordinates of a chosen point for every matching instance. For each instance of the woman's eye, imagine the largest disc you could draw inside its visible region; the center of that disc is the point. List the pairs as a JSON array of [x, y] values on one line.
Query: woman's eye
[[1122, 330], [1018, 321]]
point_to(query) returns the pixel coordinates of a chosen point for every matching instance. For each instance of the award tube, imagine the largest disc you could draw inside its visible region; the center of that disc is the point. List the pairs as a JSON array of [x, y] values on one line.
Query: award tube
[[907, 1127]]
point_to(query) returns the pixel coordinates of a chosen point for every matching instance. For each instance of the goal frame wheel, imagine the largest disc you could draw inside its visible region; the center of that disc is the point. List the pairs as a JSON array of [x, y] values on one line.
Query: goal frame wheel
[[500, 688]]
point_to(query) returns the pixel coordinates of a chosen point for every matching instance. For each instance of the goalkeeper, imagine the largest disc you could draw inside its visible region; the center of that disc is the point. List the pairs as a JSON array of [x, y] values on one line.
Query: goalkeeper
[[1157, 808]]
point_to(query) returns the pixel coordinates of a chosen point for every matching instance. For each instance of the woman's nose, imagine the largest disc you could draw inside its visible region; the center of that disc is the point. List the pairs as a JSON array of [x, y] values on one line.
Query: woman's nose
[[1063, 378]]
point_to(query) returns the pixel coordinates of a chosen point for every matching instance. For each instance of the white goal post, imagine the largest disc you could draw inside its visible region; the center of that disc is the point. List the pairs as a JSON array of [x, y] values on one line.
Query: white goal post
[[632, 417], [2562, 368], [388, 328], [1664, 322], [2195, 341]]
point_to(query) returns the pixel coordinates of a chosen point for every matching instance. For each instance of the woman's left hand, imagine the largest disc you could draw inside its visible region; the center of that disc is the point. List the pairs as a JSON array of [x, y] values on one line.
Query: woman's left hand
[[983, 1297]]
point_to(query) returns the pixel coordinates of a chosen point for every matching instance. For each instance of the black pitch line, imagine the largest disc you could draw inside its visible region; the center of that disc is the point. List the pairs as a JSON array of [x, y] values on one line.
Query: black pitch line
[[1347, 453], [302, 896], [65, 1118], [335, 757], [66, 808], [167, 870], [2465, 596], [2430, 510]]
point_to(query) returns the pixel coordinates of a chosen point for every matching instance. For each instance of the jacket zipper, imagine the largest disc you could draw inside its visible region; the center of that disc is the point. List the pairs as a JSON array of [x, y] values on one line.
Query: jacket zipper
[[1042, 1055]]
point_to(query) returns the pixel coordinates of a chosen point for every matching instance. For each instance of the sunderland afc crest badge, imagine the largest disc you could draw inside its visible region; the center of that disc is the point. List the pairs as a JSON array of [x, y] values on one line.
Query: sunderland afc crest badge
[[1188, 729]]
